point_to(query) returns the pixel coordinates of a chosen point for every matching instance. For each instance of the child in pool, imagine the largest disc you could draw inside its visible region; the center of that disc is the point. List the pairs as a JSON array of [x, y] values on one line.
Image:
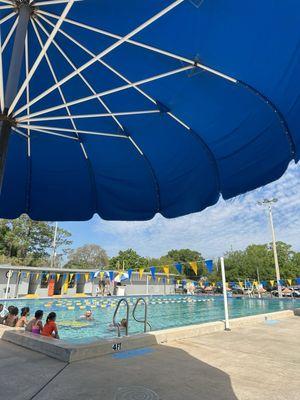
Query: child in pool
[[35, 325], [121, 325], [50, 327], [22, 321]]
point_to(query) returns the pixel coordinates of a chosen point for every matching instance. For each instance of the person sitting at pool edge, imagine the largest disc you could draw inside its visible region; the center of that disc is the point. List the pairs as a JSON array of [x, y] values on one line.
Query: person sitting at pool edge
[[3, 313], [50, 327], [22, 322], [12, 317], [35, 325], [88, 316]]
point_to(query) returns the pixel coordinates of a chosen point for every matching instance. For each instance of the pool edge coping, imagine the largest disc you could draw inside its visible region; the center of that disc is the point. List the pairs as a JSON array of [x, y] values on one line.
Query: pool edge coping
[[68, 352]]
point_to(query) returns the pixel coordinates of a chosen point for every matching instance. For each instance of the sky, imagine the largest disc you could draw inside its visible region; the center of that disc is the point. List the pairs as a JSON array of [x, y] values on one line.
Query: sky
[[233, 224]]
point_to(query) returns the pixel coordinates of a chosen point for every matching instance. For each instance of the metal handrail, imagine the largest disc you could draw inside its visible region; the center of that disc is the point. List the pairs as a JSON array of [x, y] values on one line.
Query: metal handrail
[[145, 321], [127, 316]]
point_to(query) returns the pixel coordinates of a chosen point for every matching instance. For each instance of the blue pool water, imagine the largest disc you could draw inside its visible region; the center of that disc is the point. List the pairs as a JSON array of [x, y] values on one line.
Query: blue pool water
[[163, 312]]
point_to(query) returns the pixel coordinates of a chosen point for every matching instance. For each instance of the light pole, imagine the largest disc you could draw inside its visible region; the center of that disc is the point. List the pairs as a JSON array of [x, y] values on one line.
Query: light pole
[[268, 203], [54, 246]]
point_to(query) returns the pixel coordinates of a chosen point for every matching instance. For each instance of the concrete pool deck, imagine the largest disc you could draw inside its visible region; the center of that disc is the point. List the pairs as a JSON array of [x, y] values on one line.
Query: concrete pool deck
[[71, 352], [258, 361]]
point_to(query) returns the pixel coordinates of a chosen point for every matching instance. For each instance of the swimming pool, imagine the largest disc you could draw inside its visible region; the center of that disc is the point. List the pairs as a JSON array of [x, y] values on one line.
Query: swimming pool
[[163, 312]]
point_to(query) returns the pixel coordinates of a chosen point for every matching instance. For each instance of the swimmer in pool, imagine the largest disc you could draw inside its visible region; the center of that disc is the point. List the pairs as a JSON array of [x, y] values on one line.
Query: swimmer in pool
[[121, 325], [87, 316]]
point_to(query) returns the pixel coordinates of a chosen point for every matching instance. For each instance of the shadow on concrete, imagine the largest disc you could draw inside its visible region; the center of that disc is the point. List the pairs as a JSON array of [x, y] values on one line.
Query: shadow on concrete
[[171, 373]]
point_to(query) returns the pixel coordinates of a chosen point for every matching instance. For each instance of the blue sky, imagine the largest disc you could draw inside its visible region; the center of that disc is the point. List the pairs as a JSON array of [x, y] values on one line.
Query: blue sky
[[231, 224]]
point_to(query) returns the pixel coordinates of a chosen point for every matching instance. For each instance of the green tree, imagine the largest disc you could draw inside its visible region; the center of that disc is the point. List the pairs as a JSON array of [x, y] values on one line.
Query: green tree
[[89, 256], [128, 259], [184, 256], [28, 242]]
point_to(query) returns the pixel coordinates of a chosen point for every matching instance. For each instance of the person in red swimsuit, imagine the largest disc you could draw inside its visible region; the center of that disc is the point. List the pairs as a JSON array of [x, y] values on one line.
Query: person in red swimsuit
[[50, 327]]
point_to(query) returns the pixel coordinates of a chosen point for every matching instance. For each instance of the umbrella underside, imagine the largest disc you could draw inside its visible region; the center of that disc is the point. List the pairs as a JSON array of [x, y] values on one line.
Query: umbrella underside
[[131, 108]]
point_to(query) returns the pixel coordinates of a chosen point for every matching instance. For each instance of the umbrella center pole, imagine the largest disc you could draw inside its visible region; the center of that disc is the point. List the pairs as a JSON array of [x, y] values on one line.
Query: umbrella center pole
[[24, 10]]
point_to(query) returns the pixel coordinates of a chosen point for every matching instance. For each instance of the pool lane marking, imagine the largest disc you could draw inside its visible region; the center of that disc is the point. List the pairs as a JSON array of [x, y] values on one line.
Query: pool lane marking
[[124, 355]]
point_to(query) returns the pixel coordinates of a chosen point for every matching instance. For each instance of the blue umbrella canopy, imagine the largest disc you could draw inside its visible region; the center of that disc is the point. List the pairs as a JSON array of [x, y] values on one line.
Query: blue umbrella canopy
[[131, 108]]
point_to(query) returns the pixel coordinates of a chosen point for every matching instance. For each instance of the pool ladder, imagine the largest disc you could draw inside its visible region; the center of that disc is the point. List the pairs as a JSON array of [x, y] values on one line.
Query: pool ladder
[[144, 321]]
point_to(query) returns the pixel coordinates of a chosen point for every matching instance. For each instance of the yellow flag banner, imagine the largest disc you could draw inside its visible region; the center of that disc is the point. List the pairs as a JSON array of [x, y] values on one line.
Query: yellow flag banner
[[71, 276], [27, 274], [167, 270], [241, 284], [57, 277], [226, 284], [101, 275], [86, 277], [289, 281], [272, 283], [158, 279], [141, 271], [213, 284], [178, 282], [37, 277], [168, 281], [47, 276], [19, 274], [255, 283], [194, 267]]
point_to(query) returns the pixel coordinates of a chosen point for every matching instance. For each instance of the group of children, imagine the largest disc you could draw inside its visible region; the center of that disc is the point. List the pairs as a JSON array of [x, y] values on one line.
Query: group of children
[[10, 317]]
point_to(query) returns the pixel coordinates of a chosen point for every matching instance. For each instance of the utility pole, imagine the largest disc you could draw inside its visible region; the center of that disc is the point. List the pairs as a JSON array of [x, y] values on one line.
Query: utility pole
[[268, 203]]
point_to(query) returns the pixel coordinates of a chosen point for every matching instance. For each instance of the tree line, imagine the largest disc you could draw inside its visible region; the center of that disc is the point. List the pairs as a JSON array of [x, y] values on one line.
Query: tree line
[[27, 242]]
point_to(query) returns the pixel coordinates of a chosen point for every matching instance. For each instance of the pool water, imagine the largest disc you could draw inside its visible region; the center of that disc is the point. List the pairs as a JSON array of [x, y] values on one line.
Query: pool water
[[163, 312]]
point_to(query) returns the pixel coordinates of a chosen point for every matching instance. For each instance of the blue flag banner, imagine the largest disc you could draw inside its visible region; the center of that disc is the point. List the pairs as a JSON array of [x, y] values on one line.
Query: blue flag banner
[[164, 280], [209, 265], [264, 283], [248, 284], [23, 275], [92, 275], [129, 273], [111, 275], [232, 283], [178, 266], [174, 281], [77, 277], [152, 270], [298, 281], [281, 281]]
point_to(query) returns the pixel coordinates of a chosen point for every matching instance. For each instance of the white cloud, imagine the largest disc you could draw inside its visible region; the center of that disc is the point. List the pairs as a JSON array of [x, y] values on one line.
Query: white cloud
[[235, 223]]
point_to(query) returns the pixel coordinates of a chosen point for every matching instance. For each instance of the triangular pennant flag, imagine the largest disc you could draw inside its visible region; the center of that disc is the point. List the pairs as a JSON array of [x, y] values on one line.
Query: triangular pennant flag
[[86, 276], [92, 275], [167, 270], [129, 273], [47, 276], [101, 275], [213, 284], [289, 281], [158, 279], [168, 281], [111, 275], [141, 271], [152, 270], [272, 283], [209, 265], [77, 277], [57, 277], [194, 267], [27, 274], [241, 284], [178, 266], [37, 276], [71, 276]]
